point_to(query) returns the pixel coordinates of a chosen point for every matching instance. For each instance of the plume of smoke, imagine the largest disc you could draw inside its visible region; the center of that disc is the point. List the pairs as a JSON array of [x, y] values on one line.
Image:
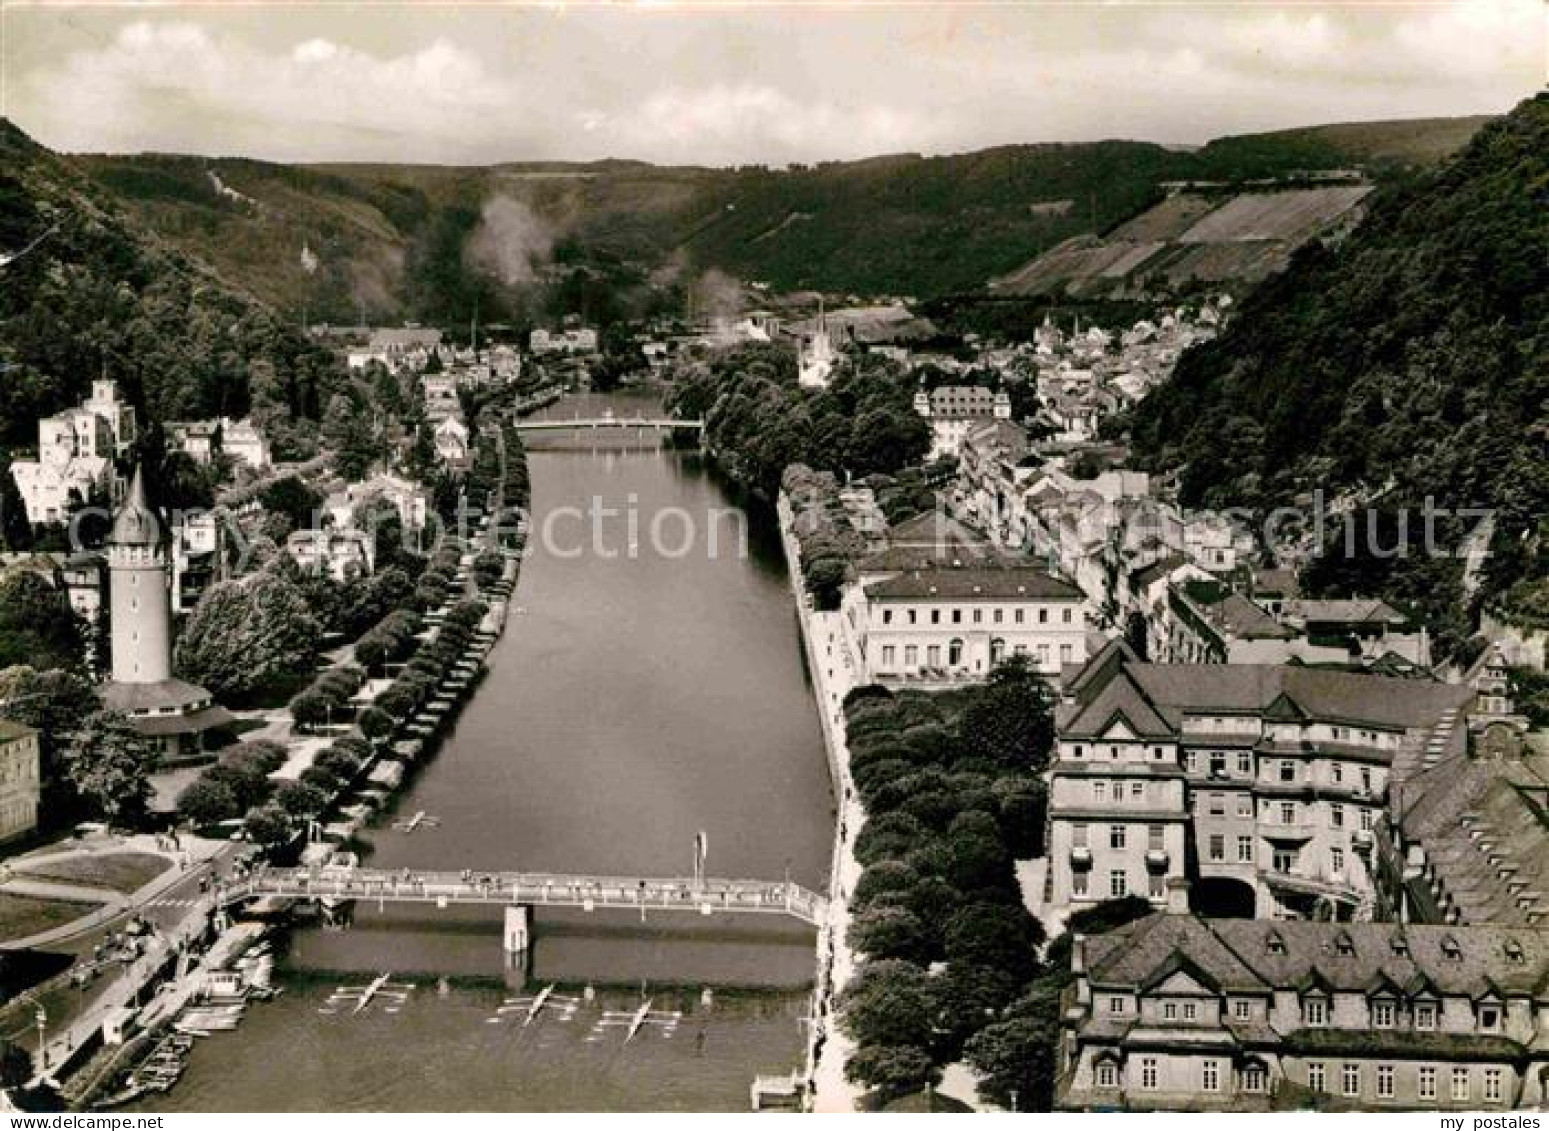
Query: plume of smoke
[[511, 241], [717, 295]]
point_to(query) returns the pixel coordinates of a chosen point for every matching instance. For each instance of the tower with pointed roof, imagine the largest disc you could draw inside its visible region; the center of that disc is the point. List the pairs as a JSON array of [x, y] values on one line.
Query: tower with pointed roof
[[140, 602]]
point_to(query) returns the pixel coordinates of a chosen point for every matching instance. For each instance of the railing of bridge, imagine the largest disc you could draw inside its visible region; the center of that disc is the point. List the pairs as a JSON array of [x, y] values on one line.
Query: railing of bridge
[[535, 889]]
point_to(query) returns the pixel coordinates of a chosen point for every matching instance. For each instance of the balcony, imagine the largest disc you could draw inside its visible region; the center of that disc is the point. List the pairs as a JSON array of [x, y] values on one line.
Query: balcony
[[1295, 831], [1080, 856], [1157, 858], [1361, 840]]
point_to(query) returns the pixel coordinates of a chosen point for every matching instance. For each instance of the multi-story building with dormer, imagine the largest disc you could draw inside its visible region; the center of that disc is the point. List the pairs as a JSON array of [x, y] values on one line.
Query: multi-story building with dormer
[[1259, 787], [1177, 1013]]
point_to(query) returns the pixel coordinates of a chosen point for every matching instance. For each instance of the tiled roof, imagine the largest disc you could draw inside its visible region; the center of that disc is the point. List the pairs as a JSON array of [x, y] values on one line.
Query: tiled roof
[[975, 582], [11, 731], [1261, 954], [1336, 696], [128, 697], [1358, 611]]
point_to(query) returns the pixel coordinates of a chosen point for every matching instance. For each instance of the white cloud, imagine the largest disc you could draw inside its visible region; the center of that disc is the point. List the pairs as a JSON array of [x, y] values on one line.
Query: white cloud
[[721, 86], [754, 122]]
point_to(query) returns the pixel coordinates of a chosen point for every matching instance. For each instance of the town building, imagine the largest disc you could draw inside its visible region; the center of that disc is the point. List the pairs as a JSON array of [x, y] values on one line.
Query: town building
[[451, 440], [116, 413], [171, 711], [574, 340], [951, 410], [816, 356], [75, 462], [202, 440], [939, 606], [1176, 1013], [395, 347], [21, 780], [341, 554], [1258, 787]]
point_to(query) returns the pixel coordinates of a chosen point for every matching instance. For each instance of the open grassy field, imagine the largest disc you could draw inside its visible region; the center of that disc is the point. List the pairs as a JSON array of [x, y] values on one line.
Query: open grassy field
[[24, 915], [119, 871]]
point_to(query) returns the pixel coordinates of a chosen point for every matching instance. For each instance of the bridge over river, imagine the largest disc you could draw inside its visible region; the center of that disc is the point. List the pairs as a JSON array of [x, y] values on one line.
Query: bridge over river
[[525, 890], [608, 421]]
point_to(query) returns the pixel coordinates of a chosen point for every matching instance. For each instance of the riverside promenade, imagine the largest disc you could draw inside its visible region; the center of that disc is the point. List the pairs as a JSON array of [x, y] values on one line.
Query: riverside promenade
[[834, 675]]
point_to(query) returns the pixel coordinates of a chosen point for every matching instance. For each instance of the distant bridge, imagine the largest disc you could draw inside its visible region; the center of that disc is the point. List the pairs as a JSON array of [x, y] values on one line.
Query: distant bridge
[[526, 890], [597, 423]]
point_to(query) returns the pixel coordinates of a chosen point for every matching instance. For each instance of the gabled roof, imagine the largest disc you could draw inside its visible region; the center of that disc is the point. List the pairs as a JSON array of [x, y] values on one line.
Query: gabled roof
[[135, 524]]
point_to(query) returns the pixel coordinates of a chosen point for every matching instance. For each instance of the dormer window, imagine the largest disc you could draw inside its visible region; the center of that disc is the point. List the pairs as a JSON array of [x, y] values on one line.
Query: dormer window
[[1400, 946], [1425, 1015], [1274, 943], [1451, 950], [1489, 1018], [1344, 944], [1315, 1012], [1382, 1014], [1514, 953]]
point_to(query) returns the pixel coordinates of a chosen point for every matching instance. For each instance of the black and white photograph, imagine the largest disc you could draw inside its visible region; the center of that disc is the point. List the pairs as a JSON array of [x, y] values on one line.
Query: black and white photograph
[[774, 556]]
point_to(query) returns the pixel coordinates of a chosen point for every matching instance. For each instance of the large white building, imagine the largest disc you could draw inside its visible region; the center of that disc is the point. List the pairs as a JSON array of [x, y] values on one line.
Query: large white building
[[952, 410], [76, 449], [939, 607]]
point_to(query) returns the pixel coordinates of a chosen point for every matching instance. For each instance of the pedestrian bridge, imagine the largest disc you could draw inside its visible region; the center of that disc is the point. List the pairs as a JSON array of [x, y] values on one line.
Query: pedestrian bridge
[[528, 890], [596, 423]]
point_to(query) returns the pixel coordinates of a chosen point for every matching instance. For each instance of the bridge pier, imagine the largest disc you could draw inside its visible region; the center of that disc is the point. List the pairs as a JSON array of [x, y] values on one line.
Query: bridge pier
[[517, 943]]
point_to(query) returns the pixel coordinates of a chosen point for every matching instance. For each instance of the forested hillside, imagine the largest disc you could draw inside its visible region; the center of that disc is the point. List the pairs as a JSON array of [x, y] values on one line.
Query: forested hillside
[[1412, 361], [85, 291], [612, 238]]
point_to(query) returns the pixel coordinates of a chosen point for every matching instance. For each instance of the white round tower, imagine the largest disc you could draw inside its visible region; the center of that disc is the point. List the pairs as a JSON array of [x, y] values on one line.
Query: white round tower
[[140, 607]]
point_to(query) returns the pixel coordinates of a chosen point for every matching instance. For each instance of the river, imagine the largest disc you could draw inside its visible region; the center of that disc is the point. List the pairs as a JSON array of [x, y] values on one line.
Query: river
[[640, 694]]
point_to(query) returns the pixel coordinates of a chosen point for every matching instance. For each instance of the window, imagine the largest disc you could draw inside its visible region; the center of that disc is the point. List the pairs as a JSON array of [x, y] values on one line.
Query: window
[[1366, 820], [1366, 779], [1043, 616], [1245, 850], [1425, 1016], [1099, 791], [1118, 884], [1078, 836], [1425, 1088], [1107, 1075], [1218, 765], [1339, 772], [1117, 836], [1315, 1079], [911, 655], [1067, 654], [1244, 763], [1336, 860], [1245, 805], [1217, 846], [1489, 1018], [1137, 790], [887, 616], [1285, 860], [1382, 1015], [1078, 884], [955, 653], [1337, 815], [1254, 1078], [1154, 837], [1460, 1083], [1384, 1081], [1170, 1011], [1018, 616], [1115, 1005], [1210, 1076], [933, 655], [935, 616], [1287, 771], [1148, 1073], [1190, 1011], [1287, 812], [1314, 1011], [1242, 1009], [1492, 1085], [999, 615], [1350, 1079], [1218, 804], [1069, 613], [888, 652], [1156, 885]]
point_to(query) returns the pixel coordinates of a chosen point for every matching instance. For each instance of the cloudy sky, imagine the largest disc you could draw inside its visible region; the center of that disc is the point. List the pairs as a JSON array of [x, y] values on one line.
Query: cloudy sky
[[726, 83]]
